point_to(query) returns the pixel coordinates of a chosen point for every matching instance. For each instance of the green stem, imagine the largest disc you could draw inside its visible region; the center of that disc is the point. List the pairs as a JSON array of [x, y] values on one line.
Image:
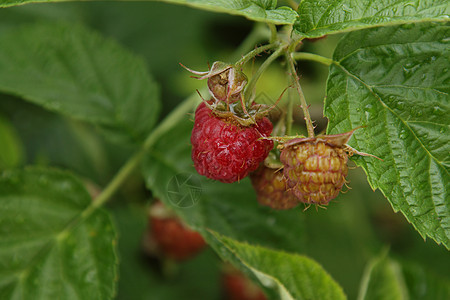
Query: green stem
[[249, 93], [293, 4], [304, 105], [314, 57], [258, 34], [168, 123], [295, 44], [273, 32], [289, 114], [254, 53]]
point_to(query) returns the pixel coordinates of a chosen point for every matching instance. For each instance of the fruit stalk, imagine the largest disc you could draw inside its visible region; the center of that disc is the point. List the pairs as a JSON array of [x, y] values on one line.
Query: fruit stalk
[[170, 121], [254, 53], [259, 34], [289, 114], [273, 32], [311, 56], [249, 90], [304, 105]]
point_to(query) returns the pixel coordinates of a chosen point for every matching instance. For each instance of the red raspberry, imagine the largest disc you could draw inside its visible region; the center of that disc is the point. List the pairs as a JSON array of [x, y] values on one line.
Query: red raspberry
[[315, 169], [224, 150], [272, 190], [171, 237], [239, 287]]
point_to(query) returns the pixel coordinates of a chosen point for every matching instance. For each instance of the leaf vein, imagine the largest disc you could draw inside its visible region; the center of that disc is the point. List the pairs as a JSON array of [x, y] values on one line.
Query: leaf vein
[[391, 110]]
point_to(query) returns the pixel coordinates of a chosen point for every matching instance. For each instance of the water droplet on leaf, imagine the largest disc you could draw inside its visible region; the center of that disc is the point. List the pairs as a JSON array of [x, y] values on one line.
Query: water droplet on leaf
[[346, 9], [407, 26], [438, 110], [403, 134]]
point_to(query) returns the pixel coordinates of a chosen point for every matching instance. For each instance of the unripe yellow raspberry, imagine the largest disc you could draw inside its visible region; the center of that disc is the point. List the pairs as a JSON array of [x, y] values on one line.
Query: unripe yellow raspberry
[[315, 170]]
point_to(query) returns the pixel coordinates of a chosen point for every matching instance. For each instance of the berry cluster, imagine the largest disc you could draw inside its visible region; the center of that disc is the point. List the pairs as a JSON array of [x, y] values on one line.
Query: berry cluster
[[313, 172], [231, 139]]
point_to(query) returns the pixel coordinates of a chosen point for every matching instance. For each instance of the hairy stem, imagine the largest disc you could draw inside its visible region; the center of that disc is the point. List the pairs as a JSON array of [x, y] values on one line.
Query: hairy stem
[[289, 114], [168, 123], [293, 4], [273, 33], [254, 53], [258, 34], [249, 93], [314, 57], [304, 105]]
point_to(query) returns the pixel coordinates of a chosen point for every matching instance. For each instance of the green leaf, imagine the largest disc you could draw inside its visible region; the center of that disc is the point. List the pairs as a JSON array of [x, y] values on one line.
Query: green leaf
[[422, 284], [383, 279], [68, 69], [53, 139], [290, 276], [11, 149], [257, 10], [230, 209], [49, 249], [318, 18], [386, 278], [395, 82]]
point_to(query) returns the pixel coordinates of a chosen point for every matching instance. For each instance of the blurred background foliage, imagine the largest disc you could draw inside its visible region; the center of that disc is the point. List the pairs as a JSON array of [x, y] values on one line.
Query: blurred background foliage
[[343, 238]]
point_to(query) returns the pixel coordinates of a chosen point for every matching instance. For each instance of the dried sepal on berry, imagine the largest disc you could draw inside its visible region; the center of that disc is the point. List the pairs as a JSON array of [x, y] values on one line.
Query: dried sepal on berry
[[237, 111], [225, 82]]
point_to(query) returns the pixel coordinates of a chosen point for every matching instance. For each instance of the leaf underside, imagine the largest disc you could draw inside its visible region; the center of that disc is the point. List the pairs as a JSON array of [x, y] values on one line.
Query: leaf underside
[[292, 276], [256, 10]]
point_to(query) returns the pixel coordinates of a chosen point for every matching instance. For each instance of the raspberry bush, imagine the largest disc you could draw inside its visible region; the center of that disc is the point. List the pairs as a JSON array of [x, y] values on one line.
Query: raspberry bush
[[294, 100]]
